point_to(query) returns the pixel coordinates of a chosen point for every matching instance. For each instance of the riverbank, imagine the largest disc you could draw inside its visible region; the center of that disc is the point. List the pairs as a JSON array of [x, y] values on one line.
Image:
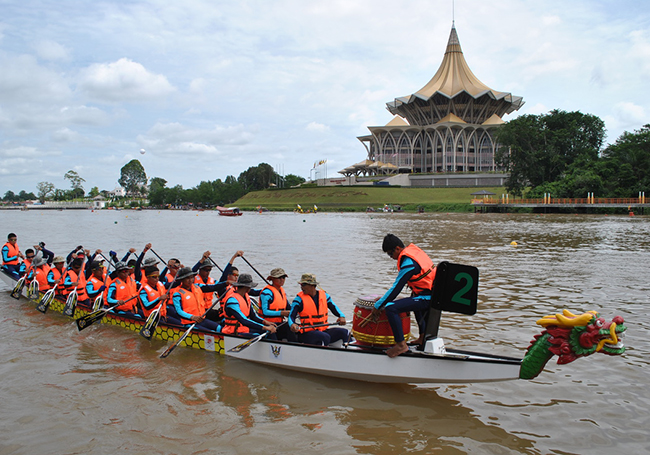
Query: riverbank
[[359, 198]]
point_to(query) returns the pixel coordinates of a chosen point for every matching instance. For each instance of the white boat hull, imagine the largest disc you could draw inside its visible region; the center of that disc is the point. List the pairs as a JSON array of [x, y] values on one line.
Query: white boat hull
[[373, 365]]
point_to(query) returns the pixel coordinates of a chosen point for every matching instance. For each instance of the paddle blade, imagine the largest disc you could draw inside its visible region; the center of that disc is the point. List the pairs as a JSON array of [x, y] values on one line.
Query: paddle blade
[[32, 292], [18, 288], [151, 324], [98, 303], [70, 304], [179, 341], [90, 319], [46, 300], [247, 343]]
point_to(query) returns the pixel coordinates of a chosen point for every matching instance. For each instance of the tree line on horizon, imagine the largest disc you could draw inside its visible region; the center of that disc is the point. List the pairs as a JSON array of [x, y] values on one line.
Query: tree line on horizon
[[561, 153], [133, 179]]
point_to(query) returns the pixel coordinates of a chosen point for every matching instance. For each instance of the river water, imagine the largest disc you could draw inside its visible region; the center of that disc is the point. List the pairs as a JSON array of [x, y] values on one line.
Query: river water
[[104, 390]]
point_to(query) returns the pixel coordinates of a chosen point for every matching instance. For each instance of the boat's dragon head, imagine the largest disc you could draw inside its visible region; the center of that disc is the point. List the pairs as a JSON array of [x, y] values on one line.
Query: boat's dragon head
[[570, 336]]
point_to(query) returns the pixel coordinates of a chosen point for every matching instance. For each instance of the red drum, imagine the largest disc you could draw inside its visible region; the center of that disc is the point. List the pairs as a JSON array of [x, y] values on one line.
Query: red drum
[[369, 333]]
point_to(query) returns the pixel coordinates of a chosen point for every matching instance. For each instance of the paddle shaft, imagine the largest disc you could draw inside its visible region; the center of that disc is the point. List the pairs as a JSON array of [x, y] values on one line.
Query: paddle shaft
[[98, 315], [251, 341], [187, 332], [215, 264], [251, 266]]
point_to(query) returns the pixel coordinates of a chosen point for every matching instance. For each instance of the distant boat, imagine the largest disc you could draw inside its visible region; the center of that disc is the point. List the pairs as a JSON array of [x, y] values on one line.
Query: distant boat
[[229, 211]]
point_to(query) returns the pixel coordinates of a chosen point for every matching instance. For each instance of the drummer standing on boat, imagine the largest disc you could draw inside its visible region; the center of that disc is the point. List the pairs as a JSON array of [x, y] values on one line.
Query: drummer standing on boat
[[416, 270]]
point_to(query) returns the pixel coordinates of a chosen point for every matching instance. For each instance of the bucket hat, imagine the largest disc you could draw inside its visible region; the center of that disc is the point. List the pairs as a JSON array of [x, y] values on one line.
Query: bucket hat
[[277, 273], [245, 280], [308, 278], [185, 272]]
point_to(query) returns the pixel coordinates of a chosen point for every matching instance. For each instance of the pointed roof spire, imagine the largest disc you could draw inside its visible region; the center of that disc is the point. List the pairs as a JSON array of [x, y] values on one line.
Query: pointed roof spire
[[454, 74]]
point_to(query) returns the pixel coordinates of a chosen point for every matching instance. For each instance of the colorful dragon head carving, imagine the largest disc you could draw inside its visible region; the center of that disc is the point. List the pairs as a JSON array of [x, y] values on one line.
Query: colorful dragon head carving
[[570, 336]]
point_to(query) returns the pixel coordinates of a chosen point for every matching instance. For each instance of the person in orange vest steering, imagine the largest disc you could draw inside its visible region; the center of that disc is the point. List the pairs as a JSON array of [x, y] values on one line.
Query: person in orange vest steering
[[274, 306], [11, 256], [312, 306], [416, 270]]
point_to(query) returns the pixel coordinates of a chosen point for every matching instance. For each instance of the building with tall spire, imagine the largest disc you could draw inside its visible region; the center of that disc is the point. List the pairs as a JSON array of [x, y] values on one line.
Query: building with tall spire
[[445, 127]]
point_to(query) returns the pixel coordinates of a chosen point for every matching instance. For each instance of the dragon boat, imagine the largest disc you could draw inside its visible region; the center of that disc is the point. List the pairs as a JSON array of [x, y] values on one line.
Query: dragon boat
[[566, 335]]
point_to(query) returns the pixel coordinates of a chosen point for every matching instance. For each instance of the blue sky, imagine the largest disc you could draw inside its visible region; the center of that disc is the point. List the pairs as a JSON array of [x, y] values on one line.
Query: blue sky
[[210, 88]]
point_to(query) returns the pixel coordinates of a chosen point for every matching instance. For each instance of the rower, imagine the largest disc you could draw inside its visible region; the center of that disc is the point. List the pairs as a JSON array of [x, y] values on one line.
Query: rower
[[11, 256], [39, 272], [203, 278], [56, 273], [95, 284], [74, 278], [153, 293], [27, 262], [188, 301], [122, 289], [240, 318], [274, 306], [416, 270], [312, 306]]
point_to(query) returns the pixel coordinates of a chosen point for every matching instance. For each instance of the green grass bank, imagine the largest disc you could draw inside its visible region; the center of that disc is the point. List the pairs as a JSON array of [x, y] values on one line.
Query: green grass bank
[[358, 198]]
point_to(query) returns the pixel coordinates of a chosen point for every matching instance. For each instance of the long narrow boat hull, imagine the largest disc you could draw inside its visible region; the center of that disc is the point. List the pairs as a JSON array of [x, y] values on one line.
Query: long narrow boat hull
[[359, 363], [373, 365]]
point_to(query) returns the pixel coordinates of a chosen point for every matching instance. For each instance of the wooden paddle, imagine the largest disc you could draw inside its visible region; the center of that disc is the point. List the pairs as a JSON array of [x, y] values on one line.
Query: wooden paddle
[[152, 321], [187, 332], [251, 341], [91, 318], [251, 266], [18, 288], [71, 301]]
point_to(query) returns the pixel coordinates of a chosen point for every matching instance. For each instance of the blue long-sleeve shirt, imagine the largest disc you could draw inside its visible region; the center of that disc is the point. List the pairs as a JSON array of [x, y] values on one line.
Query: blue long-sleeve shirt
[[408, 269], [252, 320], [5, 255], [297, 306], [266, 299], [176, 299]]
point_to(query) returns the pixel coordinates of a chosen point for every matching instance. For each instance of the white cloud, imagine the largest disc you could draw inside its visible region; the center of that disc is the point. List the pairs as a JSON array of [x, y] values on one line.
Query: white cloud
[[318, 127], [23, 80], [51, 50], [123, 81]]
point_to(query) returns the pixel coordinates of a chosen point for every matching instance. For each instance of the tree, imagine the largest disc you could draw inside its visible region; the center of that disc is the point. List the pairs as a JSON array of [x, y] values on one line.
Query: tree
[[157, 190], [10, 196], [44, 189], [257, 177], [626, 163], [133, 178], [293, 180], [75, 182], [94, 192], [25, 196], [538, 149]]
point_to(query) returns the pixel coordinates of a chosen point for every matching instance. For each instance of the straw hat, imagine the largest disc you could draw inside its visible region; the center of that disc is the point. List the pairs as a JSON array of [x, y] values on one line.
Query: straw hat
[[308, 278]]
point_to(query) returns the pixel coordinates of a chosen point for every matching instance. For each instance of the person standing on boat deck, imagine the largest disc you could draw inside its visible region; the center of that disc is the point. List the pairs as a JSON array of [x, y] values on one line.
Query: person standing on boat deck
[[274, 306], [416, 270], [312, 306], [11, 256], [188, 302], [121, 289], [241, 319]]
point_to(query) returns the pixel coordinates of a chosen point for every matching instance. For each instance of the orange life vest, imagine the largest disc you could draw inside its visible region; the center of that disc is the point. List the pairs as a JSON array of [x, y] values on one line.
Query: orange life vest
[[13, 250], [124, 291], [311, 313], [57, 276], [191, 302], [40, 275], [424, 280], [232, 325], [81, 284], [279, 303], [207, 296], [153, 294], [97, 283]]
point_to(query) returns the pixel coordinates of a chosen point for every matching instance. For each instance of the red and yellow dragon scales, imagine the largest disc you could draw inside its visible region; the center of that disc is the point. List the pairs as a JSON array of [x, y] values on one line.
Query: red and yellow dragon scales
[[570, 336]]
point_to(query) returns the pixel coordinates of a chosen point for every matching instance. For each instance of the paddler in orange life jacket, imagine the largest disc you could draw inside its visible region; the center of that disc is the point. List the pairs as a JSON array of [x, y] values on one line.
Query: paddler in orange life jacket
[[11, 256], [122, 289], [203, 278], [313, 306], [241, 319], [153, 293], [74, 277], [274, 306], [188, 302], [39, 272], [56, 273], [95, 284], [27, 262], [416, 270]]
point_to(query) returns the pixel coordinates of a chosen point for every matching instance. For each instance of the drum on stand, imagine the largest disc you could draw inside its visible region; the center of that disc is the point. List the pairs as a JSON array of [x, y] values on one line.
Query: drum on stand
[[370, 333]]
